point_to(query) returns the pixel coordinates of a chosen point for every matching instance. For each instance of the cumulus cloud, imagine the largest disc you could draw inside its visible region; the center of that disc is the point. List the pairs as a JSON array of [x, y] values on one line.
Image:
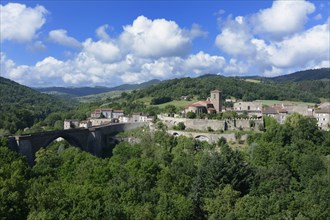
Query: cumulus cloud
[[155, 38], [148, 49], [203, 63], [84, 70], [312, 45], [235, 38], [272, 41], [101, 50], [61, 37], [19, 22], [283, 18]]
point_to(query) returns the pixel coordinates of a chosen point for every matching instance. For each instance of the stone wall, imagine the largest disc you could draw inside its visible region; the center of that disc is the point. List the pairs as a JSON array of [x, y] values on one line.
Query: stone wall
[[209, 137], [204, 124]]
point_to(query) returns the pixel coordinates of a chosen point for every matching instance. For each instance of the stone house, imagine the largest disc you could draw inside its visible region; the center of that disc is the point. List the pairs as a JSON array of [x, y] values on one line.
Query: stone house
[[117, 113], [71, 123], [108, 113], [323, 118], [139, 117], [276, 112], [124, 119], [251, 108]]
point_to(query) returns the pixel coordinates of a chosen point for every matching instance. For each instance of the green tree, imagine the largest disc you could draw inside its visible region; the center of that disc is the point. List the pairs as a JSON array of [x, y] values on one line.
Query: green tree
[[191, 115]]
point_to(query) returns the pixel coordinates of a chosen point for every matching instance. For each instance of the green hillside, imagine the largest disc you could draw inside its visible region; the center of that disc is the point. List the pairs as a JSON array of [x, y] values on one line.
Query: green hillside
[[21, 106], [312, 74], [230, 86]]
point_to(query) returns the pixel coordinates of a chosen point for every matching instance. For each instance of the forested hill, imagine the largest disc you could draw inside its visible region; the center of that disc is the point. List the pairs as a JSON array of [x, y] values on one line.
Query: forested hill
[[21, 106], [230, 86], [84, 91], [313, 74]]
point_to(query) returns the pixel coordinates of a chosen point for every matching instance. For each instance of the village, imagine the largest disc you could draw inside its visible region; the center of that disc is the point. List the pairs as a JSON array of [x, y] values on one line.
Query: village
[[249, 115]]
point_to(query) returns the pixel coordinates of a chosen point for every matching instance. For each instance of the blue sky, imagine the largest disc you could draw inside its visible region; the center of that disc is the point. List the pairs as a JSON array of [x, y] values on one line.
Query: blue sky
[[108, 43]]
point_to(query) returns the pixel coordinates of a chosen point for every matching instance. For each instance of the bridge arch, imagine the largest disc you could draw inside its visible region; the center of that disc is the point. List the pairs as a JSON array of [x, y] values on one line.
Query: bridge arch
[[175, 134], [202, 138], [69, 138]]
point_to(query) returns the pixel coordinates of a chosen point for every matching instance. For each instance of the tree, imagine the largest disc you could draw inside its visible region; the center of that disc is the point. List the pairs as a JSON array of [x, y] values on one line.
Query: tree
[[13, 184], [191, 115], [222, 204], [180, 126], [170, 109]]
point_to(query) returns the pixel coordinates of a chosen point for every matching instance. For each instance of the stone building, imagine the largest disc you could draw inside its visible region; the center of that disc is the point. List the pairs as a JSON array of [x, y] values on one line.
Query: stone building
[[107, 113], [323, 118], [71, 123], [216, 99], [251, 108], [212, 105], [139, 117], [85, 124], [276, 112]]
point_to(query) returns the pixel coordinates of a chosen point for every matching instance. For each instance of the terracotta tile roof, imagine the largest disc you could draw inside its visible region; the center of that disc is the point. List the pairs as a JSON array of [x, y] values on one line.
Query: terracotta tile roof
[[196, 105], [206, 102]]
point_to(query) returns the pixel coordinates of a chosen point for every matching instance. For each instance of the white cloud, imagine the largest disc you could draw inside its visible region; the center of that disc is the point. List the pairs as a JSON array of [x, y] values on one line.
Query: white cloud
[[283, 18], [36, 46], [235, 38], [61, 37], [279, 45], [318, 17], [102, 50], [312, 45], [196, 31], [101, 32], [236, 67], [158, 69], [202, 63], [155, 38], [19, 22]]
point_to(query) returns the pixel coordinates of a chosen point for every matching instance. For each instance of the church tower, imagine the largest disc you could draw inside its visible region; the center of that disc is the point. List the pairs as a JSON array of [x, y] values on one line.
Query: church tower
[[215, 98]]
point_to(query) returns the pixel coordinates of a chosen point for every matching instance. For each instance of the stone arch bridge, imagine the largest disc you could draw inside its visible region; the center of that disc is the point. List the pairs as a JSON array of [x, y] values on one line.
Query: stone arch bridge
[[92, 140], [209, 137]]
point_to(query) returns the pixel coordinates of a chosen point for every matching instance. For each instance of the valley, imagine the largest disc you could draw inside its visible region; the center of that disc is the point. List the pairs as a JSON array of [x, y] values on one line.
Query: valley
[[194, 147]]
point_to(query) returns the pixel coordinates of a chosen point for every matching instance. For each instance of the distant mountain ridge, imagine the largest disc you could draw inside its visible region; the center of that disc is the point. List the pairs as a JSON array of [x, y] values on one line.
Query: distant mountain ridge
[[312, 74], [85, 91]]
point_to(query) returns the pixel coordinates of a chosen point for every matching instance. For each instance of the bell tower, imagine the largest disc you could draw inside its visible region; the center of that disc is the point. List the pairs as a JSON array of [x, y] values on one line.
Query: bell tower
[[216, 96]]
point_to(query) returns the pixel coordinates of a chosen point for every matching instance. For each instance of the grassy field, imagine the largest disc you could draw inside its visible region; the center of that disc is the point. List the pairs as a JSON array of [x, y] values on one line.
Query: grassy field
[[252, 80], [176, 103], [276, 102], [99, 97]]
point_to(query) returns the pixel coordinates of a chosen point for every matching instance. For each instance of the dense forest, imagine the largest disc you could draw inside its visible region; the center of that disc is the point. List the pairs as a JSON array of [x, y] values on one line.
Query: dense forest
[[22, 107], [282, 174], [236, 87]]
